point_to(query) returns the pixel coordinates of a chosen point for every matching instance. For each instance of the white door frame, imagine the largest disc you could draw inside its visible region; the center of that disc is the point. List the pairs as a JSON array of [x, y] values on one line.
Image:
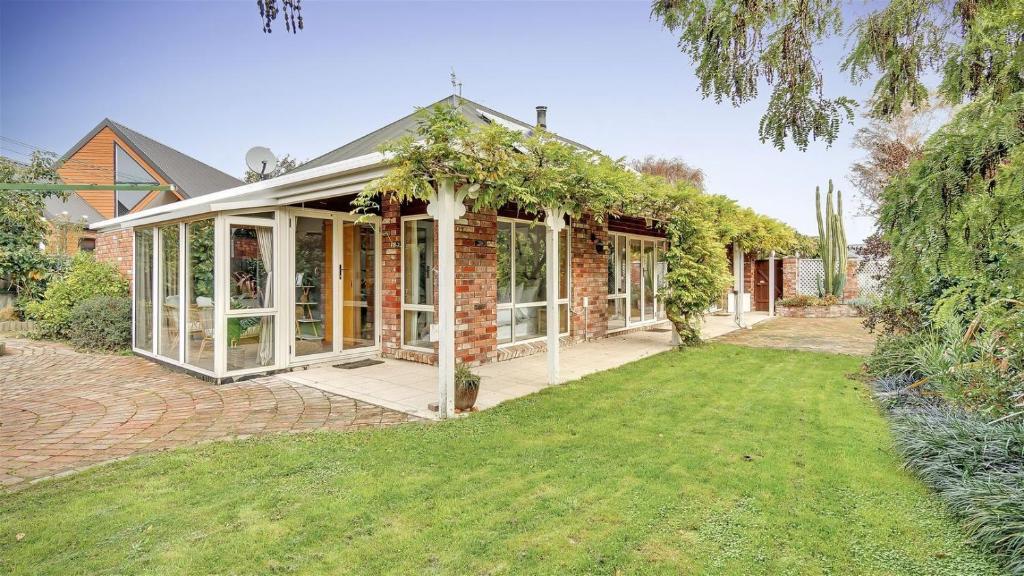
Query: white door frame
[[337, 317]]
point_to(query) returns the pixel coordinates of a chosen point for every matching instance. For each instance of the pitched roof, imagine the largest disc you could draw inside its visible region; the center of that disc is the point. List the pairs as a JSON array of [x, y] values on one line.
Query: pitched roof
[[477, 114], [190, 176]]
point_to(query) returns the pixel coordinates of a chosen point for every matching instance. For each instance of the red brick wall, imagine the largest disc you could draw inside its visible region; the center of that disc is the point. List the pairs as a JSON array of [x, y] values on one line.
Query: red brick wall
[[116, 247], [476, 290], [852, 287], [589, 279], [789, 268]]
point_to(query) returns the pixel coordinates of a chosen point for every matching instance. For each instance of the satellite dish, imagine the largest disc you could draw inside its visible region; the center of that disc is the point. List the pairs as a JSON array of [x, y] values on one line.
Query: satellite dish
[[261, 160]]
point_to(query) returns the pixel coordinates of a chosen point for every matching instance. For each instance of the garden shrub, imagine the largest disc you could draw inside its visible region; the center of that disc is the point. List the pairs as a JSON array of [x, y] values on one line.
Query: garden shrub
[[804, 301], [101, 323], [800, 301], [976, 465], [86, 278]]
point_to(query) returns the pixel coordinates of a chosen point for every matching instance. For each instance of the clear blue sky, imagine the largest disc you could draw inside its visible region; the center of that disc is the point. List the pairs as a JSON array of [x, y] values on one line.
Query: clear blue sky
[[203, 78]]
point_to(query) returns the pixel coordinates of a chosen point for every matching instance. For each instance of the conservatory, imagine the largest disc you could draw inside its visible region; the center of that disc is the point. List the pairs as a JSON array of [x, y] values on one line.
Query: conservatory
[[282, 273]]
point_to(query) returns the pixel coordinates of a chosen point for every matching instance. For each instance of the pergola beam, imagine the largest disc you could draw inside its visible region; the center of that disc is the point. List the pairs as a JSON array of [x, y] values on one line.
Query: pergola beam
[[66, 187]]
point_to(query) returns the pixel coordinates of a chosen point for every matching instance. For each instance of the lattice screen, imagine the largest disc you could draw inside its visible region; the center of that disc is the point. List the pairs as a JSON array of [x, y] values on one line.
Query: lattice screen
[[867, 278], [808, 275]]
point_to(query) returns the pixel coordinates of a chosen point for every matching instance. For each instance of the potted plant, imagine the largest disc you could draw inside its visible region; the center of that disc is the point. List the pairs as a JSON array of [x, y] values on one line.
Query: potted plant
[[467, 385]]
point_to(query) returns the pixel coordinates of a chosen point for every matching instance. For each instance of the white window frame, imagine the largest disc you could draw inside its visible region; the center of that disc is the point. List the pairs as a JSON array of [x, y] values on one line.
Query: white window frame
[[659, 245], [513, 305], [432, 308], [222, 303]]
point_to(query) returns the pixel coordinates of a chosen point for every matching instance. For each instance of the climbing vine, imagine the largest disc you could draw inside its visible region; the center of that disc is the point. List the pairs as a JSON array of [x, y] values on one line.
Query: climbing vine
[[495, 166]]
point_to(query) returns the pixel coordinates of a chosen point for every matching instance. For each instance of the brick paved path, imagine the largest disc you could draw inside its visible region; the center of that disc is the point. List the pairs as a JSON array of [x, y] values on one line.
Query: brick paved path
[[61, 410]]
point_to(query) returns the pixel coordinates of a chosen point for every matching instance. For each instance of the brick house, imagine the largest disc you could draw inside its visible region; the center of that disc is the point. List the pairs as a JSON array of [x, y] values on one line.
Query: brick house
[[280, 274], [112, 154]]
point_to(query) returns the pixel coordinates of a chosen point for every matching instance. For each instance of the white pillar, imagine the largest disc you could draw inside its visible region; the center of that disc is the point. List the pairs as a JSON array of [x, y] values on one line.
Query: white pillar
[[737, 266], [554, 223], [446, 208], [771, 284]]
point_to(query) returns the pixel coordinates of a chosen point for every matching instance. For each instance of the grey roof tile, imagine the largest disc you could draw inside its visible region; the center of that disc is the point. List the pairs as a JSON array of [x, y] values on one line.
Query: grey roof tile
[[477, 114]]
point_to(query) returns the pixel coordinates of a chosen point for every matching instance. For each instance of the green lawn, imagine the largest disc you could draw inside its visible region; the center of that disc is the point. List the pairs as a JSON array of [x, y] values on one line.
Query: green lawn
[[719, 460]]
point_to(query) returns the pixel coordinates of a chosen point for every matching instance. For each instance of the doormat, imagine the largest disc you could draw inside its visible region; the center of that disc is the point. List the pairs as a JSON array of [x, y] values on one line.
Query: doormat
[[659, 329], [358, 364]]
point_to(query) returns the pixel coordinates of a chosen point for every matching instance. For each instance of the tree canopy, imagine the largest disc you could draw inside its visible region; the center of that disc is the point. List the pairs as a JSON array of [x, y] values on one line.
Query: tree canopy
[[737, 46]]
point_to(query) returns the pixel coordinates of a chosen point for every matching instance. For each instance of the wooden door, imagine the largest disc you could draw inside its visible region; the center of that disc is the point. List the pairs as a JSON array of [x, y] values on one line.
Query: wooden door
[[761, 284]]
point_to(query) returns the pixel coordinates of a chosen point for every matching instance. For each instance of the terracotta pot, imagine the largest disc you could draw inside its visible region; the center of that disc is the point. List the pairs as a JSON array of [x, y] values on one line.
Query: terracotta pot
[[465, 396]]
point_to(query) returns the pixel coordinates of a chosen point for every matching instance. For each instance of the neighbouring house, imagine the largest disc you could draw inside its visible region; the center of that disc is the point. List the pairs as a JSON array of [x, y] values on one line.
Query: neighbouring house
[[280, 274], [112, 153]]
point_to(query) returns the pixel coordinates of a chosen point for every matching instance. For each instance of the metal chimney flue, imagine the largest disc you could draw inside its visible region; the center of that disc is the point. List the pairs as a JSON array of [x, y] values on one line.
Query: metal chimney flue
[[542, 116]]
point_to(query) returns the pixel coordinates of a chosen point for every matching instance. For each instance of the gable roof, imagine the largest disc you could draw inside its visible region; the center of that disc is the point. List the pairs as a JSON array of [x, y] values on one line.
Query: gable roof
[[477, 114], [190, 176]]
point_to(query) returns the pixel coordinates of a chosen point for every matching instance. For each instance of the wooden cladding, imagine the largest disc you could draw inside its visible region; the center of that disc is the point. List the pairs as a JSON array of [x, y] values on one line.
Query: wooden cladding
[[93, 163]]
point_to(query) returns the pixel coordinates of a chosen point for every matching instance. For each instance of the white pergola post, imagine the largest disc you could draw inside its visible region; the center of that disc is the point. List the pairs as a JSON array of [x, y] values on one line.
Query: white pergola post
[[446, 207], [554, 222], [737, 266], [771, 284]]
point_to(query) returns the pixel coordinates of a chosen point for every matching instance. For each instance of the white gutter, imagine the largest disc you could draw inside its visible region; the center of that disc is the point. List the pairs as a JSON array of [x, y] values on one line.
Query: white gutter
[[248, 195]]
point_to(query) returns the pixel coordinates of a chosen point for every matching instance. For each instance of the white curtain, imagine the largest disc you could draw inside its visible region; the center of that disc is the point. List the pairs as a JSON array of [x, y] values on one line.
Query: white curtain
[[265, 238]]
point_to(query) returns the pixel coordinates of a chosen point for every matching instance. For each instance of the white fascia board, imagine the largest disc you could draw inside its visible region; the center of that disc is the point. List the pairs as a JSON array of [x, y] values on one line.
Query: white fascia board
[[250, 193]]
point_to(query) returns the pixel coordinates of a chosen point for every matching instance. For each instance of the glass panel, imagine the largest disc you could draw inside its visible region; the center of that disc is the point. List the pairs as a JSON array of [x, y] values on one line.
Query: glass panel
[[128, 171], [170, 300], [563, 318], [144, 289], [417, 328], [563, 264], [314, 283], [418, 261], [251, 257], [616, 313], [622, 259], [635, 276], [529, 265], [250, 342], [358, 285], [504, 326], [199, 283], [529, 322], [648, 269], [505, 263], [662, 271]]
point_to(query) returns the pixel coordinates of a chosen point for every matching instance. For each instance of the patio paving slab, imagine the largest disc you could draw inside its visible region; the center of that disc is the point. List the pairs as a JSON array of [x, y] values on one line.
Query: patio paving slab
[[410, 387], [62, 411], [838, 335]]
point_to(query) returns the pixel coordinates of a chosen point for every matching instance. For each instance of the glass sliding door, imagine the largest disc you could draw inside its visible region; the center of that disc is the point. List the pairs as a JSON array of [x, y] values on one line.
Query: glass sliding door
[[168, 292], [636, 273], [314, 286], [144, 289], [359, 285], [648, 272], [616, 282], [635, 281]]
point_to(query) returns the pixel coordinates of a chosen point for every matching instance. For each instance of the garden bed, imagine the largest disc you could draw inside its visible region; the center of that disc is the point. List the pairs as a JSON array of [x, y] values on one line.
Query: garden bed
[[832, 311]]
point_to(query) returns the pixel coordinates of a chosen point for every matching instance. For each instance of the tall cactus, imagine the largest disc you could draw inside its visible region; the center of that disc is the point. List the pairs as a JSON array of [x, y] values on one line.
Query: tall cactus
[[832, 242]]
